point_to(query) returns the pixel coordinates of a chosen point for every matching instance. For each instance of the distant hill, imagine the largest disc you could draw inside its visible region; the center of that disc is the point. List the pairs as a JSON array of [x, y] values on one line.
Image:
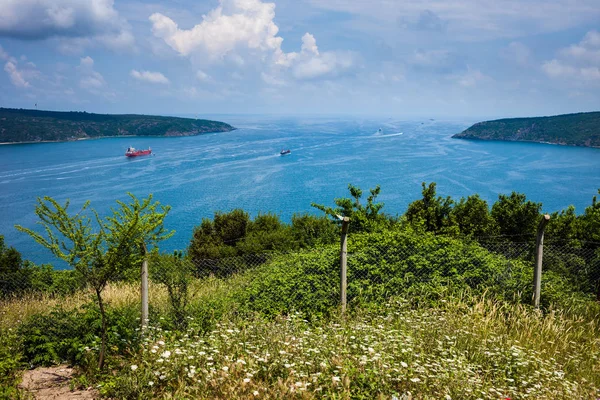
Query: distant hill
[[581, 129], [17, 125]]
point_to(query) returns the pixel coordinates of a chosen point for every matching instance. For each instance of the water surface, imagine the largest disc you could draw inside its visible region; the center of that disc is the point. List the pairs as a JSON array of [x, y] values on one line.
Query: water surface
[[202, 174]]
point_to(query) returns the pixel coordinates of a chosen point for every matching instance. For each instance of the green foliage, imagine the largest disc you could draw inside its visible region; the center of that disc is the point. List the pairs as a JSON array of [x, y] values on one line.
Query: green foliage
[[73, 336], [11, 363], [34, 126], [310, 231], [432, 212], [472, 215], [382, 264], [232, 242], [174, 272], [516, 217], [100, 250], [580, 129], [363, 218]]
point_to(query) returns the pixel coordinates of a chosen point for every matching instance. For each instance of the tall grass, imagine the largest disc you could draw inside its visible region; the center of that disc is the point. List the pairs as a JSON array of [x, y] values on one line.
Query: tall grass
[[465, 347]]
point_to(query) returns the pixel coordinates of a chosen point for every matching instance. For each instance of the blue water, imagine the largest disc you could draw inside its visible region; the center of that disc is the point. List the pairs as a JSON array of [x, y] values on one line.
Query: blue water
[[202, 174]]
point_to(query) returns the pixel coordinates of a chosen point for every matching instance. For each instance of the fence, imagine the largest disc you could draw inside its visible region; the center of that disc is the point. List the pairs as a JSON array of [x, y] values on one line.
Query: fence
[[358, 270]]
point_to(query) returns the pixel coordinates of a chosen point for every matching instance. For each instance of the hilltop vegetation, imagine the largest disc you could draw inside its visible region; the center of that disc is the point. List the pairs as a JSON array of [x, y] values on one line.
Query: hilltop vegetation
[[438, 306], [17, 125], [582, 129]]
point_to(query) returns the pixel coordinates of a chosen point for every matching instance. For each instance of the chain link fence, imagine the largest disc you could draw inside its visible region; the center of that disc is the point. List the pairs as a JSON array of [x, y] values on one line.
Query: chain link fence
[[374, 271]]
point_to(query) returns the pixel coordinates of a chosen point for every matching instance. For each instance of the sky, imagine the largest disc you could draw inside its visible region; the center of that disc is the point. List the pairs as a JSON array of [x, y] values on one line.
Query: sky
[[443, 58]]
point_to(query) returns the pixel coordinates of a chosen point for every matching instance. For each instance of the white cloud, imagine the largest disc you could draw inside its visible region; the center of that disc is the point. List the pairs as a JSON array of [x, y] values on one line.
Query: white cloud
[[3, 54], [90, 79], [203, 76], [246, 23], [517, 53], [309, 44], [430, 58], [248, 27], [578, 63], [328, 63], [472, 20], [272, 80], [147, 76], [65, 19], [20, 76], [15, 75]]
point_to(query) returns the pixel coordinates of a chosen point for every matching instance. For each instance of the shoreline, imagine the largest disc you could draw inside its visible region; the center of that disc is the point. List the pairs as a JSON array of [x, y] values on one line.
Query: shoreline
[[108, 137], [524, 141]]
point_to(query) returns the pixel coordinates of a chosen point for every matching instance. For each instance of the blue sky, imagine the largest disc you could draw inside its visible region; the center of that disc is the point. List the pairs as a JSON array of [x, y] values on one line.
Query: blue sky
[[463, 58]]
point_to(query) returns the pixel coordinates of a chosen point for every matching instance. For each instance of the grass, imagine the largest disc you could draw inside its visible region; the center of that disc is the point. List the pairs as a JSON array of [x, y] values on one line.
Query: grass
[[467, 347], [439, 344]]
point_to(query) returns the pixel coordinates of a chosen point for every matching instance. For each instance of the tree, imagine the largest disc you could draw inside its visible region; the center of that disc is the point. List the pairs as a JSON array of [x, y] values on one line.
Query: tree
[[432, 212], [472, 215], [11, 265], [98, 249], [516, 217], [363, 218]]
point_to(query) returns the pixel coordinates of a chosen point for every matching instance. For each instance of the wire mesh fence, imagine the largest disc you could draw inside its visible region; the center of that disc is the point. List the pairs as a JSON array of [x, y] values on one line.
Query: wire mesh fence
[[373, 271]]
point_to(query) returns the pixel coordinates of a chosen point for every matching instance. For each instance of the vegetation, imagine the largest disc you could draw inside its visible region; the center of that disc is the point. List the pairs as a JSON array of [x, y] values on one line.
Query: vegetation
[[582, 129], [18, 125], [438, 304], [100, 253]]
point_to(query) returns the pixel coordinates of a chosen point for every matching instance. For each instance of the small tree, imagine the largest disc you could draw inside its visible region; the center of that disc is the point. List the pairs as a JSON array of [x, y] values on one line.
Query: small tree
[[362, 217], [433, 212], [100, 249]]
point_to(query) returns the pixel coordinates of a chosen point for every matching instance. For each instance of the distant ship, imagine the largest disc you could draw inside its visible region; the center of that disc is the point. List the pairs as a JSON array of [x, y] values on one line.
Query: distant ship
[[131, 152], [284, 152]]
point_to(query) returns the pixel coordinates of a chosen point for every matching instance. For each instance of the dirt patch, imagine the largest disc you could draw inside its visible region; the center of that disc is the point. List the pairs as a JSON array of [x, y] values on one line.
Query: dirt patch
[[53, 383]]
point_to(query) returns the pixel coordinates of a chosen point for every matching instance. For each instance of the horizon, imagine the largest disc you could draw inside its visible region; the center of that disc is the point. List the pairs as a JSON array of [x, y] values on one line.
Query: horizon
[[456, 58]]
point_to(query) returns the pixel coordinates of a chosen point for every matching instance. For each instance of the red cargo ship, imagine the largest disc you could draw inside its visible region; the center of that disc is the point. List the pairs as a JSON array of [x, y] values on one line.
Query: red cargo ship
[[131, 152]]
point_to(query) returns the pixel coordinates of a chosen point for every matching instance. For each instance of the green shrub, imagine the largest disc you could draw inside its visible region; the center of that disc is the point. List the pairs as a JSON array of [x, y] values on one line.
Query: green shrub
[[11, 363], [74, 336]]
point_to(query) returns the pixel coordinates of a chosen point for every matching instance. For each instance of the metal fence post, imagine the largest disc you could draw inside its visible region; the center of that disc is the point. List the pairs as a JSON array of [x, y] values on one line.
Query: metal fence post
[[344, 262], [539, 254], [144, 288]]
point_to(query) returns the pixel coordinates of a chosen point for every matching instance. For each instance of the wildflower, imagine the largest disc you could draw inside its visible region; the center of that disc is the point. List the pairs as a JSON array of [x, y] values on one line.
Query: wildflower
[[415, 380], [166, 354], [161, 342], [150, 383], [246, 380], [336, 378], [255, 393], [225, 369], [240, 361], [405, 365], [134, 367]]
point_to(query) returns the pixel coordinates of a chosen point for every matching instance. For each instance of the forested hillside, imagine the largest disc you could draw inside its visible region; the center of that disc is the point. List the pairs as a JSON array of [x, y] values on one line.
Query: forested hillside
[[581, 129], [17, 125]]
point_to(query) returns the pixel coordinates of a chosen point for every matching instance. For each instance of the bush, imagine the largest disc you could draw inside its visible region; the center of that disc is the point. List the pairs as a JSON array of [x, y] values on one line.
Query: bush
[[72, 336], [380, 265]]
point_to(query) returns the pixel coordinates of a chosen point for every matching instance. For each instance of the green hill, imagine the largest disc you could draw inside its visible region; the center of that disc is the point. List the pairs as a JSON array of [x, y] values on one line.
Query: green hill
[[582, 129], [17, 125]]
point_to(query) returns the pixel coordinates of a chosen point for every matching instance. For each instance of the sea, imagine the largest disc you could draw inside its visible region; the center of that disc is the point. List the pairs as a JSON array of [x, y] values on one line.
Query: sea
[[200, 175]]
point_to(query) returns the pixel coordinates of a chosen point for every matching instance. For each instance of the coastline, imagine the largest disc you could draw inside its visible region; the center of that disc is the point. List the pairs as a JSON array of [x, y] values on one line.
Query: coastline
[[524, 141], [110, 137]]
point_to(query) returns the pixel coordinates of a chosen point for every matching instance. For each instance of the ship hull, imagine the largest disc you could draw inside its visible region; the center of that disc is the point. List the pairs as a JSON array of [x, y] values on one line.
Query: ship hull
[[138, 153]]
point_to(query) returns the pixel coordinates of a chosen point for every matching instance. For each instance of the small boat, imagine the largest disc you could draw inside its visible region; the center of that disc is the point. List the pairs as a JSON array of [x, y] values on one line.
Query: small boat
[[284, 152], [132, 152]]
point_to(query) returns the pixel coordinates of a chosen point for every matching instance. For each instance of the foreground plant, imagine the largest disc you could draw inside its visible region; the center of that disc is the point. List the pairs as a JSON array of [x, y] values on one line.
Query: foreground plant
[[458, 350], [100, 250]]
